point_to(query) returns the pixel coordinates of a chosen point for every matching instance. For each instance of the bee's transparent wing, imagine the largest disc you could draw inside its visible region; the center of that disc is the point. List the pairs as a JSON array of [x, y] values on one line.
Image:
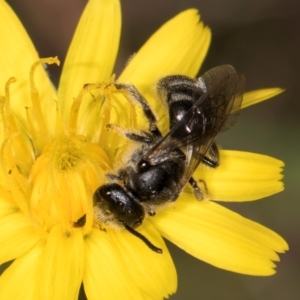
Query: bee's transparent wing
[[232, 89], [215, 111]]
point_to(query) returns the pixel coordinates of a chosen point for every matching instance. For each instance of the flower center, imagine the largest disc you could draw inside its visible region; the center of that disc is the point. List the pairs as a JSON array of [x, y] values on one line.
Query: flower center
[[50, 167], [63, 179]]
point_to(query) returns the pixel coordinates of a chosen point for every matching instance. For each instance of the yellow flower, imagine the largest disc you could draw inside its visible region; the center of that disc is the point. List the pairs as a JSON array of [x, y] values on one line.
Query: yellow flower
[[55, 151]]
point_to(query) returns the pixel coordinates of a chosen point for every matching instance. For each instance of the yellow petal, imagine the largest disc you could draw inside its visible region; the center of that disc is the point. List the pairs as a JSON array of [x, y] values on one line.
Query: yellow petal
[[6, 208], [19, 281], [242, 176], [17, 56], [257, 96], [220, 237], [159, 278], [93, 50], [141, 273], [62, 265], [102, 266], [16, 236], [179, 46]]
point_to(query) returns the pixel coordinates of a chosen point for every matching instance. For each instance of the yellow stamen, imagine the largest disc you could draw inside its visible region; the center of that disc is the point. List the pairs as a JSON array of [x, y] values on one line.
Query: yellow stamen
[[102, 87], [43, 131], [12, 149], [21, 149], [14, 182], [74, 111], [103, 109], [58, 120]]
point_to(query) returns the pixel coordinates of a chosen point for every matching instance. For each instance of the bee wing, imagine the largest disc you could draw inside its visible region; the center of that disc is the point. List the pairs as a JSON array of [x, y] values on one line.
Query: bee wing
[[216, 110], [230, 85]]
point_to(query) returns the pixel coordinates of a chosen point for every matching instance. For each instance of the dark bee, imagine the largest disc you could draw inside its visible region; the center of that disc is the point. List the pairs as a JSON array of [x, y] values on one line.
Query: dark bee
[[158, 170]]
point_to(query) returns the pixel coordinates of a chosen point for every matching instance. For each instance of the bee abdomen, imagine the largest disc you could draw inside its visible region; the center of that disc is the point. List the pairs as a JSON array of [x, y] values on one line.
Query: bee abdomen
[[180, 93]]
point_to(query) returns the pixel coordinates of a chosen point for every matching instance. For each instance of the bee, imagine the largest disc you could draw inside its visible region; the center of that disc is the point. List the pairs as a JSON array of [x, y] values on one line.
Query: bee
[[157, 171]]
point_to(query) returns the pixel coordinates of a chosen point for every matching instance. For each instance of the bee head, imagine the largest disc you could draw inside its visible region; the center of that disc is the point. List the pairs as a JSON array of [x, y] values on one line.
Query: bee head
[[117, 206]]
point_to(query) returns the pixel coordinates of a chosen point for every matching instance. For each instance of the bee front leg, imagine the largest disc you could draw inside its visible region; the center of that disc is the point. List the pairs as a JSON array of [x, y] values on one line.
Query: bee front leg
[[133, 135], [132, 93]]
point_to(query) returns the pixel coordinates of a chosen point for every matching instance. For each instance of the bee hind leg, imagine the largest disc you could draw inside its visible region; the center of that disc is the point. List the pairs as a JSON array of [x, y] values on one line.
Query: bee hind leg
[[212, 157], [200, 193]]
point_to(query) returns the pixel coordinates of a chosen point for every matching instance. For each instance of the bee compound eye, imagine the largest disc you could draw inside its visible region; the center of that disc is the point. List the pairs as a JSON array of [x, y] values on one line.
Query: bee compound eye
[[143, 166]]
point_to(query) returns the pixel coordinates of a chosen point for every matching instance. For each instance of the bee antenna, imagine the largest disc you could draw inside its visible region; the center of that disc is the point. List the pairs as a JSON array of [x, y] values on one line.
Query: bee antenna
[[143, 238]]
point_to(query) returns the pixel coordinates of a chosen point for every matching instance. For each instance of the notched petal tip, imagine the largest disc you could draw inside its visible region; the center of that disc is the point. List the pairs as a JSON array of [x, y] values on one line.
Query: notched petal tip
[[178, 46], [221, 237], [243, 176]]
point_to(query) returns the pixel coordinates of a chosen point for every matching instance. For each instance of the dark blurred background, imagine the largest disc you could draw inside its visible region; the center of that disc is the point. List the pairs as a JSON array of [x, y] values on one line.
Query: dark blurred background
[[261, 39]]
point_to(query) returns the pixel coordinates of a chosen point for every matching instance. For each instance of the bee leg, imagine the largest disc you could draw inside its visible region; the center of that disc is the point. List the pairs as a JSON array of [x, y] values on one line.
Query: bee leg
[[200, 193], [114, 177], [134, 95], [141, 137], [143, 238], [212, 157]]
